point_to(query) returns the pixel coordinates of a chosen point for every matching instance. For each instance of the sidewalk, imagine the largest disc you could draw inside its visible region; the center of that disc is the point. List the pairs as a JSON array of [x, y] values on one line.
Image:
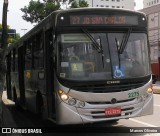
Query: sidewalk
[[156, 87], [5, 100]]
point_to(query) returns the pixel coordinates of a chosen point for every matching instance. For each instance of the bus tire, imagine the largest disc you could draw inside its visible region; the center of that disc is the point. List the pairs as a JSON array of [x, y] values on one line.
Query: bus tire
[[39, 103], [17, 106]]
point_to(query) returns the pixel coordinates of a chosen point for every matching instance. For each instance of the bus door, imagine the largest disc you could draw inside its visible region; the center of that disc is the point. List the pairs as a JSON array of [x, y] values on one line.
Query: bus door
[[8, 77], [21, 75], [49, 73]]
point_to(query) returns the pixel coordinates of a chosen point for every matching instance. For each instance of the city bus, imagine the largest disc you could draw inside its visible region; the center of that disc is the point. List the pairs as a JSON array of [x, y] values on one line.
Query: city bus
[[82, 66]]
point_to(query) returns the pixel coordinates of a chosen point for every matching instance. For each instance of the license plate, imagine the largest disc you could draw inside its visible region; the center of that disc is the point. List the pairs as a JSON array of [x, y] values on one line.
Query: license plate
[[112, 111]]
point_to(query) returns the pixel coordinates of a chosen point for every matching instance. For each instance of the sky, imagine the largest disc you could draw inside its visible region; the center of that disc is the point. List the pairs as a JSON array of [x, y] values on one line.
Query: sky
[[15, 20]]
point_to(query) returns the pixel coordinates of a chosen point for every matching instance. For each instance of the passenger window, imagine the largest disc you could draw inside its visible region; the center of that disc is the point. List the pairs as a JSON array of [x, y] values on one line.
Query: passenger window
[[28, 55], [38, 51]]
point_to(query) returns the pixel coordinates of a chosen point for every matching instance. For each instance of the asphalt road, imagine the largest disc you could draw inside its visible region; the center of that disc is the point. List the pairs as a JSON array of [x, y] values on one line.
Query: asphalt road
[[20, 118]]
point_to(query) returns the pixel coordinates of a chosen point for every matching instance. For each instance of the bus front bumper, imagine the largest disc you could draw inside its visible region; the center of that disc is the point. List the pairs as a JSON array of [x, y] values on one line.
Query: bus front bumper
[[71, 115]]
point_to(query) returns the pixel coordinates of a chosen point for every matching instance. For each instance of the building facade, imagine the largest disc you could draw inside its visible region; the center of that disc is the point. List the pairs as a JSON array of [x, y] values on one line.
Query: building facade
[[126, 4], [153, 14], [149, 3]]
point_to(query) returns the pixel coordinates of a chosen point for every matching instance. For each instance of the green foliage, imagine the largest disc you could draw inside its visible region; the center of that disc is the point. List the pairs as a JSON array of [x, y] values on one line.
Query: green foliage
[[1, 26], [81, 3], [74, 5], [12, 40], [37, 10]]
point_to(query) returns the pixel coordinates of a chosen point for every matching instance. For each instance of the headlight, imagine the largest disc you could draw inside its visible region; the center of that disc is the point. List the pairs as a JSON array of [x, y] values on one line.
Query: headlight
[[64, 97], [72, 101], [69, 100]]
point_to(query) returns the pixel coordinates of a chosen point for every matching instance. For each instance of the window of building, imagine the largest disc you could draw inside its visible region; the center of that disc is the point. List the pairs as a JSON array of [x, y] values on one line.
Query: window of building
[[122, 7], [118, 6], [118, 0], [107, 6], [97, 5], [113, 0], [154, 1], [102, 5], [113, 6]]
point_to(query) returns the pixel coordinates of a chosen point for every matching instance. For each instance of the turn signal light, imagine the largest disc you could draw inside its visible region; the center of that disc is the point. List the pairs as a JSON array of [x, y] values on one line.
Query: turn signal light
[[149, 90]]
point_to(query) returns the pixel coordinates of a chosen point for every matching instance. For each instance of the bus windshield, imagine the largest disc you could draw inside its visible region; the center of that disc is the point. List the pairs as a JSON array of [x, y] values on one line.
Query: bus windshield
[[81, 60]]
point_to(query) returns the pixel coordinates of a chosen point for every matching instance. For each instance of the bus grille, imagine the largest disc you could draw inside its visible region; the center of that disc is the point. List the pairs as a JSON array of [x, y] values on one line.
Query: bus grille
[[109, 102], [103, 88], [96, 110]]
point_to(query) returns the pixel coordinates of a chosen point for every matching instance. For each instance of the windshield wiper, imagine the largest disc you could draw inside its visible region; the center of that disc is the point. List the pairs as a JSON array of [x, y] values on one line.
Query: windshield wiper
[[100, 44], [118, 48], [124, 41], [95, 44]]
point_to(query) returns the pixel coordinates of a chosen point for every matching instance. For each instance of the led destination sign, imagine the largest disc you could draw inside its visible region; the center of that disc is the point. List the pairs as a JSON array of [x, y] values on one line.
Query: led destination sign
[[103, 20]]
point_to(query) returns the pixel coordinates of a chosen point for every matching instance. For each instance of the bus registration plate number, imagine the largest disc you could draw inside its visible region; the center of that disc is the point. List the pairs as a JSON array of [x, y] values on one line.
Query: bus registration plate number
[[112, 111]]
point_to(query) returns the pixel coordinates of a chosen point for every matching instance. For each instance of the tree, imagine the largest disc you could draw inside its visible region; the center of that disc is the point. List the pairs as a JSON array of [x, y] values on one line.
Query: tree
[[81, 3], [9, 40], [36, 11], [12, 40]]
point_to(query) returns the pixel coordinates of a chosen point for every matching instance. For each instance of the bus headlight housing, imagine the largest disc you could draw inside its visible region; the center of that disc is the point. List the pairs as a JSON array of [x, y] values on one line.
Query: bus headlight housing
[[63, 96], [72, 101], [145, 95], [69, 100], [81, 104]]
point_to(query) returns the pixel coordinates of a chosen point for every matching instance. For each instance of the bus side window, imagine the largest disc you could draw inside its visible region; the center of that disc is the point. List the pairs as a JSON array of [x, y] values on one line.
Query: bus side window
[[28, 55], [13, 60], [38, 51], [16, 60]]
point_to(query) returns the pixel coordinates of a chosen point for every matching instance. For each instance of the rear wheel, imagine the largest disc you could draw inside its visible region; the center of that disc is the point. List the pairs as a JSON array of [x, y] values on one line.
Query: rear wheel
[[15, 99], [39, 103]]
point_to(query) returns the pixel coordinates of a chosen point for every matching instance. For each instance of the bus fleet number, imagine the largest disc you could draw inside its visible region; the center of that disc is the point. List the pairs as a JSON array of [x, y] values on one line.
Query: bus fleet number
[[133, 94]]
